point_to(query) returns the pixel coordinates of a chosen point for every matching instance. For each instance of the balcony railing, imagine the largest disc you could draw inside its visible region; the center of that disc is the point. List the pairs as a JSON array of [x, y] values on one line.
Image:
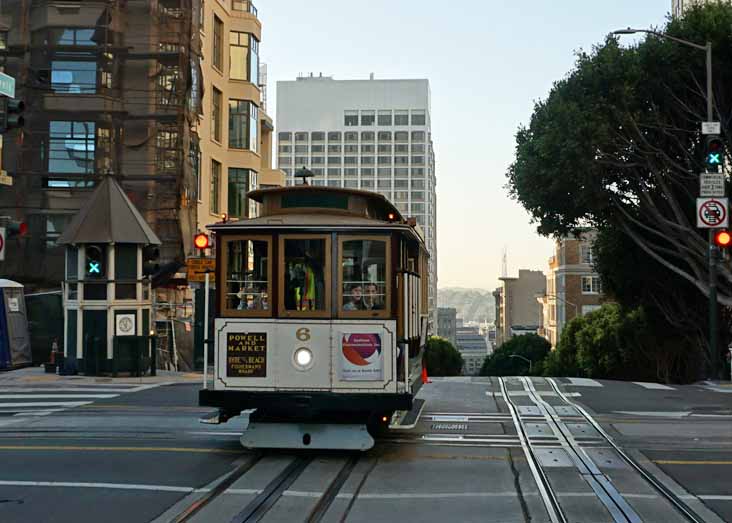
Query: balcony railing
[[245, 6]]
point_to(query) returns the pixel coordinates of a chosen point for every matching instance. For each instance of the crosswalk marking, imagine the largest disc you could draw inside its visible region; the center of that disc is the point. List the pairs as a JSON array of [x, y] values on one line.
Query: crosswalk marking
[[584, 382], [653, 386], [43, 399]]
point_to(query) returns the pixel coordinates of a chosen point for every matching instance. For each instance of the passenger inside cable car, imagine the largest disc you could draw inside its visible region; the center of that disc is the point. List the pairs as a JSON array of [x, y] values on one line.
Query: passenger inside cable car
[[304, 276], [354, 298]]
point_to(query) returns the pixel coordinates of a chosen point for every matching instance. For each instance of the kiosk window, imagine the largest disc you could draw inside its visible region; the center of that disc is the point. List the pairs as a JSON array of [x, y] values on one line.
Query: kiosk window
[[364, 280], [248, 273], [305, 274]]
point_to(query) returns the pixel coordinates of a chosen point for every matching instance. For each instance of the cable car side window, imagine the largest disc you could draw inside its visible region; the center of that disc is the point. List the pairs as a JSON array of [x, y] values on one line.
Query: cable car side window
[[248, 287], [365, 276], [304, 276]]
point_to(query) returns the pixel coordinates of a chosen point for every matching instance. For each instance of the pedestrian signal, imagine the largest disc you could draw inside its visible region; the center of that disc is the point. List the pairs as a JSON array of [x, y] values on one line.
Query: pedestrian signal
[[714, 153], [11, 114]]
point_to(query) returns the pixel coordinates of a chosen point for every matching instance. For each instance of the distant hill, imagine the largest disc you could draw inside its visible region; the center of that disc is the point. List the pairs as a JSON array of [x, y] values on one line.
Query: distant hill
[[471, 304]]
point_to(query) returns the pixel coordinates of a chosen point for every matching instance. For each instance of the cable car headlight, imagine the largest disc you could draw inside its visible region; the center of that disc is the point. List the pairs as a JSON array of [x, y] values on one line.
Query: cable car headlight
[[303, 358]]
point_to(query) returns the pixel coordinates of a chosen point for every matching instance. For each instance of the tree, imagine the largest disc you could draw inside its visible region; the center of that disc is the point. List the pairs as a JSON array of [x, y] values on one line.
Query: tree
[[442, 358], [617, 146], [504, 363]]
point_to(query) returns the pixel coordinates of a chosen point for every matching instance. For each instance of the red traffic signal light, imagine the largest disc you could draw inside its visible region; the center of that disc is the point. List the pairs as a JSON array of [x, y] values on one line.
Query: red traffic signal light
[[723, 239], [17, 229], [201, 241]]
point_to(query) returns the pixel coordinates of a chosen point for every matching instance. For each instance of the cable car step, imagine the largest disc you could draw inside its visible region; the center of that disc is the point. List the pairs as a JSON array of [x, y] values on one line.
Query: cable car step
[[407, 419], [306, 436]]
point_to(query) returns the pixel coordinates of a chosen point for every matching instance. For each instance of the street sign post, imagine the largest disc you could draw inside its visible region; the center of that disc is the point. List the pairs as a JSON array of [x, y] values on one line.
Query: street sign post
[[7, 85], [712, 213], [711, 128], [198, 266], [2, 243], [711, 185]]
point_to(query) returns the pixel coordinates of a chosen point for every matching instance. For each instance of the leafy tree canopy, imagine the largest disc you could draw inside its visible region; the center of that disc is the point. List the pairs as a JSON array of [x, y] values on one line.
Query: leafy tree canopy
[[504, 360], [441, 358]]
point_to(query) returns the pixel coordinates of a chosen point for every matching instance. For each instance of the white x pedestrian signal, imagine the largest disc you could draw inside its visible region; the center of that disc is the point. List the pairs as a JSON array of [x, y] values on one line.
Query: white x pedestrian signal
[[94, 268]]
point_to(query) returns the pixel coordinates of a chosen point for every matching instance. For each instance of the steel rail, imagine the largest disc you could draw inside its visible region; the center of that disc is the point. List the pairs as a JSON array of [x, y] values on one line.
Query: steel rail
[[325, 501], [548, 496], [219, 489], [676, 501], [616, 505], [260, 505]]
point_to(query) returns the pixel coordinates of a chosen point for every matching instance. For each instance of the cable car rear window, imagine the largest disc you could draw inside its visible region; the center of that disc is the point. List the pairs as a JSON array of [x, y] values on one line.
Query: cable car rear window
[[305, 276]]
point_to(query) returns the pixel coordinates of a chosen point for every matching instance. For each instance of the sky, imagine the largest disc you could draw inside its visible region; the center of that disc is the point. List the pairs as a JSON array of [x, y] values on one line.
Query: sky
[[488, 62]]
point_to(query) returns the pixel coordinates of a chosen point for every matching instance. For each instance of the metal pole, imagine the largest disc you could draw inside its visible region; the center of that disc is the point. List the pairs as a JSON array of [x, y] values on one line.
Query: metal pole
[[205, 332], [713, 341]]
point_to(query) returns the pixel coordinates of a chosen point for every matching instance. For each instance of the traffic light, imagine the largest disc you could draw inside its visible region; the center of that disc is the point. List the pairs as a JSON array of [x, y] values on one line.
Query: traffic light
[[150, 260], [11, 114], [201, 241], [15, 229], [94, 266], [714, 153], [723, 239]]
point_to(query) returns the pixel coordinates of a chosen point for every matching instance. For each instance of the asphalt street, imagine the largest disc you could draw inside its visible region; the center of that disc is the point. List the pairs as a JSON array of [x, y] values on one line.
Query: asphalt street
[[125, 453]]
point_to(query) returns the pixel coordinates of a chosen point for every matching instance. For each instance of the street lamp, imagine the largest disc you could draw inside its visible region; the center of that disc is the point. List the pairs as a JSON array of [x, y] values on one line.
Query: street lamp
[[557, 297], [707, 48], [523, 358]]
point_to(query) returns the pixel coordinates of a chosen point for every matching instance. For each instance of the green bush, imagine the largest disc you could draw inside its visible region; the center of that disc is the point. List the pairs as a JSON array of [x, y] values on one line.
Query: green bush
[[603, 344], [442, 358], [530, 346]]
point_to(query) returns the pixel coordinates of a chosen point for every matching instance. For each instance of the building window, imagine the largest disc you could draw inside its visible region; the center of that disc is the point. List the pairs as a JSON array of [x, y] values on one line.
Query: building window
[[74, 77], [367, 171], [167, 150], [334, 172], [317, 137], [350, 118], [586, 253], [384, 148], [243, 125], [586, 309], [334, 136], [216, 114], [384, 118], [334, 160], [218, 43], [401, 136], [417, 184], [401, 160], [350, 160], [71, 150], [350, 149], [419, 118], [194, 155], [3, 40], [401, 118], [417, 148], [301, 137], [351, 137], [243, 57], [317, 149], [591, 285], [215, 187], [384, 172], [384, 136], [167, 85], [417, 160], [367, 148], [418, 136], [367, 136], [368, 118], [401, 171], [401, 184], [334, 148], [55, 225], [384, 160], [284, 136], [72, 37], [239, 183]]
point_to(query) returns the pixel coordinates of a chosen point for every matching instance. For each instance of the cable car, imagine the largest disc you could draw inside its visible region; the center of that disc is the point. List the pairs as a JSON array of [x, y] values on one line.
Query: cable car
[[321, 318]]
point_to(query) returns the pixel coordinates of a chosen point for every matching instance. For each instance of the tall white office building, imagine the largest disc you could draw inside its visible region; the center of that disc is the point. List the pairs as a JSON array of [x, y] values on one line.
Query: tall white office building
[[364, 134]]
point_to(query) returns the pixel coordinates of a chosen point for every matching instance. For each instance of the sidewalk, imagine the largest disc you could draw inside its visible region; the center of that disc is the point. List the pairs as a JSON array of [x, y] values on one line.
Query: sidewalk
[[38, 375]]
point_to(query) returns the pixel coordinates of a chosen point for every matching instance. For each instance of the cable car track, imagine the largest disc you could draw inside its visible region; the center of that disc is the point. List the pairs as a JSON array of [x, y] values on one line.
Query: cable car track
[[275, 489], [619, 509]]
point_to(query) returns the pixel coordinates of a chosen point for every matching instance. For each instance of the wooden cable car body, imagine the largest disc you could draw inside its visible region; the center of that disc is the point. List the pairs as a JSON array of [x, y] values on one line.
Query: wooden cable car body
[[321, 318]]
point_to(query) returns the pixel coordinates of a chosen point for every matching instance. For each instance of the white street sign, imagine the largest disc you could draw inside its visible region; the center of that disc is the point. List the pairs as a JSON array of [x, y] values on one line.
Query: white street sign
[[125, 325], [2, 243], [712, 213], [711, 184], [711, 128]]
